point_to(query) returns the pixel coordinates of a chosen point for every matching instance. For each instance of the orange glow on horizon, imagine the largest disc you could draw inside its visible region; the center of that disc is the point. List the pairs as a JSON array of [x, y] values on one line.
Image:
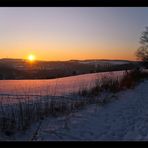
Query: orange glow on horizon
[[65, 54]]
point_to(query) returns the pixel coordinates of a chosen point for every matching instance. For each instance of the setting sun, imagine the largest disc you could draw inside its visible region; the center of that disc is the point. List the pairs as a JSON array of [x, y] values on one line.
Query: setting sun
[[31, 57]]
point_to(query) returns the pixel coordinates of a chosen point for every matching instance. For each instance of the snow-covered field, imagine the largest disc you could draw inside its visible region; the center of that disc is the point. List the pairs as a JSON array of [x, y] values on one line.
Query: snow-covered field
[[125, 118], [58, 86], [103, 62]]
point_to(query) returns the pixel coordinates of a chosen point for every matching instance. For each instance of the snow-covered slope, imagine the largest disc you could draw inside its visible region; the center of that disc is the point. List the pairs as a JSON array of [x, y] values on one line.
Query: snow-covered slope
[[123, 119], [54, 86]]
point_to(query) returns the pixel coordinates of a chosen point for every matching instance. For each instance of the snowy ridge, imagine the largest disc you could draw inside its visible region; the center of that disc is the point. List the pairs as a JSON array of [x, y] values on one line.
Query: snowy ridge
[[58, 86]]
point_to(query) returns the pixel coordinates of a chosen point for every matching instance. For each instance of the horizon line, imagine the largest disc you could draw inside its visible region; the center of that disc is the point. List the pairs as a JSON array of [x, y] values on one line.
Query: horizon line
[[71, 60]]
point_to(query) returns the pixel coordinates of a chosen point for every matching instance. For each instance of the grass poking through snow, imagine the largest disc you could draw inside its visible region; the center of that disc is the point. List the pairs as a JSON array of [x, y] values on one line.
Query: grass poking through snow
[[20, 115]]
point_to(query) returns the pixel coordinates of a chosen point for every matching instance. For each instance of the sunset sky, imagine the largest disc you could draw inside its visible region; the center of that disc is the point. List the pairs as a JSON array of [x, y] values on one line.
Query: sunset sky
[[58, 33]]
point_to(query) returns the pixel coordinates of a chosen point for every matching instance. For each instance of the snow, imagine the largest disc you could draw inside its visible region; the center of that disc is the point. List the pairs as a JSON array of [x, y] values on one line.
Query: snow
[[102, 62], [125, 118], [58, 86], [119, 62]]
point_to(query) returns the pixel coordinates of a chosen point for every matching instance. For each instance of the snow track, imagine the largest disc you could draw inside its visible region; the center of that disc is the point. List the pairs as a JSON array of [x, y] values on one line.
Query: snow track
[[123, 119]]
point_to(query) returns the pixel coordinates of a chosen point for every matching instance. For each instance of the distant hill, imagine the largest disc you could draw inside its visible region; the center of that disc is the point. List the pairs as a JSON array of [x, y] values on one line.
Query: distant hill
[[24, 64], [23, 69], [89, 60]]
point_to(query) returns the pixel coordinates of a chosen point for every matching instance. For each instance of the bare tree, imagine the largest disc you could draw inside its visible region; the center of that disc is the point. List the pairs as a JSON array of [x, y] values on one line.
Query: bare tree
[[142, 52]]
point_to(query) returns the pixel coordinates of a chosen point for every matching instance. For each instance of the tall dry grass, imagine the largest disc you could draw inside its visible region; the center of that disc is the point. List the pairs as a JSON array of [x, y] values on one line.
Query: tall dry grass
[[24, 111]]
